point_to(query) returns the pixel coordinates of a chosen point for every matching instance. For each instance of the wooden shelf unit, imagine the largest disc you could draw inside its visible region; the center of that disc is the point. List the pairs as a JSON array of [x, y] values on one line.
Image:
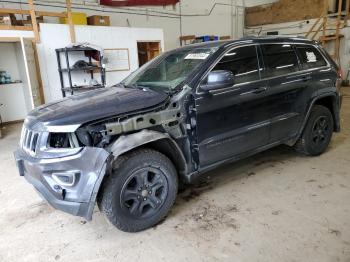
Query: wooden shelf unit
[[327, 27], [34, 14]]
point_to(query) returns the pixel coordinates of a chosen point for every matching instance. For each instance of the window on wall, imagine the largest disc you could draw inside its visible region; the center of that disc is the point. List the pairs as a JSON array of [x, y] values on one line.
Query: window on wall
[[279, 59], [242, 62], [310, 57]]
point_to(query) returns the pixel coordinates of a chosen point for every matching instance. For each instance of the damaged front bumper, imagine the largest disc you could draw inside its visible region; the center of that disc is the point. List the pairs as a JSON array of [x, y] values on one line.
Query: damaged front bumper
[[68, 183]]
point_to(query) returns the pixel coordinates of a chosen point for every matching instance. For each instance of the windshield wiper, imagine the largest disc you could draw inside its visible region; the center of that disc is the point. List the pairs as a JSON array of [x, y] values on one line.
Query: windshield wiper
[[140, 87]]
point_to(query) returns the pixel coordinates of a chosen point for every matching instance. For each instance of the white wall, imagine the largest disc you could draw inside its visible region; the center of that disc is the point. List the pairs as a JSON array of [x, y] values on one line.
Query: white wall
[[12, 98], [55, 36], [198, 17], [16, 33]]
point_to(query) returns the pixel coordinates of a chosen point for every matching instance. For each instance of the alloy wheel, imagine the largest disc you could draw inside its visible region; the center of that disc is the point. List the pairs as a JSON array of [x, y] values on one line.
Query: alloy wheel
[[320, 130], [144, 192]]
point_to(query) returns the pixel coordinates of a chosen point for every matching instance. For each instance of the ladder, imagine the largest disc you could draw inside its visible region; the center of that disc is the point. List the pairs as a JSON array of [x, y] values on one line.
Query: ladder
[[327, 27]]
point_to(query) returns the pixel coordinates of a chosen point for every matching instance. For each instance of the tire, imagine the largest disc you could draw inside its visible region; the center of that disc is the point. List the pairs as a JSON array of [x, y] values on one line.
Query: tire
[[140, 191], [317, 133]]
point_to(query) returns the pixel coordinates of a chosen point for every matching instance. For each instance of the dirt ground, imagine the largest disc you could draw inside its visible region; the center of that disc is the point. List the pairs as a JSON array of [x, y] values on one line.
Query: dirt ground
[[276, 206]]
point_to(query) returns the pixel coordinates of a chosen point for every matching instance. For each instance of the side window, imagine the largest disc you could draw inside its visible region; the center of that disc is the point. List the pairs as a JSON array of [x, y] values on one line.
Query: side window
[[279, 59], [242, 62], [310, 57]]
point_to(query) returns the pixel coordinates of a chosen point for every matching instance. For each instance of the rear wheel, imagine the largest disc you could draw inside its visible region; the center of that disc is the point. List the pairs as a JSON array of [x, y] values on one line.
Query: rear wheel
[[317, 133], [140, 191]]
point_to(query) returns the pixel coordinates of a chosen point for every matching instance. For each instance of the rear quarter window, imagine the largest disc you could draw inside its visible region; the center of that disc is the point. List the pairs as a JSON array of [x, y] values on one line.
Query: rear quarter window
[[310, 57]]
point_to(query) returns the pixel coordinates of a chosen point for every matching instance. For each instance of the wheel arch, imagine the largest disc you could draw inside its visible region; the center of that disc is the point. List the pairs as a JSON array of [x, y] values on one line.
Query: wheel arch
[[329, 101], [158, 141]]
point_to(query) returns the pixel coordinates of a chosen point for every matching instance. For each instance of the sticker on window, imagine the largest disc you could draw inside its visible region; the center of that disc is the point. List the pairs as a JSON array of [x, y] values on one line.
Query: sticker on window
[[201, 56], [311, 57]]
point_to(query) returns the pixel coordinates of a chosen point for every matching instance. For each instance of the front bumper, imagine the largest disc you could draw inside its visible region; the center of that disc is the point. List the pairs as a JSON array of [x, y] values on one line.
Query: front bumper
[[88, 166]]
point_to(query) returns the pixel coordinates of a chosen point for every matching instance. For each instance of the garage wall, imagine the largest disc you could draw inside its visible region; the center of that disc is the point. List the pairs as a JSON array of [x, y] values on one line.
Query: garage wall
[[284, 11], [199, 17], [300, 28], [55, 36]]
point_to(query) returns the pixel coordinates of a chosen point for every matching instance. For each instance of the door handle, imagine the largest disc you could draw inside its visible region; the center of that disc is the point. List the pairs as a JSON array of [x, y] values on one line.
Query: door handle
[[259, 90]]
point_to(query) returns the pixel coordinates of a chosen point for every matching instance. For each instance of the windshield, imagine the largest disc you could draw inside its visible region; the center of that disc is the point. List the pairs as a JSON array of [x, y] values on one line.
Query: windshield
[[169, 70]]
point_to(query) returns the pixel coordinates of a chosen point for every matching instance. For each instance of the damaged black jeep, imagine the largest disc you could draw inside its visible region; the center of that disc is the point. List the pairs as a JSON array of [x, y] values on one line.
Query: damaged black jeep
[[127, 147]]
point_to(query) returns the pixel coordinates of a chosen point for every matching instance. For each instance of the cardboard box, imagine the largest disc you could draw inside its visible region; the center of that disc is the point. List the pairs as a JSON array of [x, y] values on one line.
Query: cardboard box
[[78, 19], [5, 19], [98, 20], [28, 20]]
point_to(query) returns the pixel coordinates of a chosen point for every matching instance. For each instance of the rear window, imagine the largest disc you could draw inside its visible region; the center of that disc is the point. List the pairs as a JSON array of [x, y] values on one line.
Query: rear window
[[310, 57], [279, 59]]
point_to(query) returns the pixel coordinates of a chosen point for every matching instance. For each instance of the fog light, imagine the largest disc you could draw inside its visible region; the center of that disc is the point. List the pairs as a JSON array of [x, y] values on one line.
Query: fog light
[[65, 179]]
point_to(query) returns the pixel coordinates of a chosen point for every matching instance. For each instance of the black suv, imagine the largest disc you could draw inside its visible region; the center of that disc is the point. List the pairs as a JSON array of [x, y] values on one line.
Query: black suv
[[127, 147]]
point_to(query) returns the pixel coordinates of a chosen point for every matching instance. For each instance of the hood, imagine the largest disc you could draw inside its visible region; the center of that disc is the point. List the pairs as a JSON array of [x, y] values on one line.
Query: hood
[[95, 105]]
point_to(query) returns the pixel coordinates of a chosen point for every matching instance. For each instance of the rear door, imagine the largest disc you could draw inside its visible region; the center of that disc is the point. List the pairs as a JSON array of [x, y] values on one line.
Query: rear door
[[286, 87], [234, 119]]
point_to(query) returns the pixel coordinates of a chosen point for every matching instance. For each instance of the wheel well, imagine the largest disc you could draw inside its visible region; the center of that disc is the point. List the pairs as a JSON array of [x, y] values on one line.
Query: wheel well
[[328, 102], [164, 146], [167, 148]]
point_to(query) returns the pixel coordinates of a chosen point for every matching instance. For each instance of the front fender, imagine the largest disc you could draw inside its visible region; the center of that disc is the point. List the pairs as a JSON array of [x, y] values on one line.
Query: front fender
[[126, 143]]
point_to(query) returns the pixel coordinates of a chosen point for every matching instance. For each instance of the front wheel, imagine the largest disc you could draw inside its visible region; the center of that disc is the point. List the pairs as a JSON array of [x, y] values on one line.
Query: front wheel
[[317, 133], [140, 191]]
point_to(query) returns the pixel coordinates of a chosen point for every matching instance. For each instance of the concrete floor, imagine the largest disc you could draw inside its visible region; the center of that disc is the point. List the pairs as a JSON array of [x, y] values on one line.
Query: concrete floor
[[276, 206]]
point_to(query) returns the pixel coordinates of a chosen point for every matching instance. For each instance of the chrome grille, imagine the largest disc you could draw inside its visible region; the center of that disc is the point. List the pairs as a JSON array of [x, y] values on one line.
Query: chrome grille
[[29, 140]]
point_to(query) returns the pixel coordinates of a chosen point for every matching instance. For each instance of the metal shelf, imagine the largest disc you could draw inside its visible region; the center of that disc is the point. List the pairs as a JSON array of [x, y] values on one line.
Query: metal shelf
[[90, 68], [67, 70]]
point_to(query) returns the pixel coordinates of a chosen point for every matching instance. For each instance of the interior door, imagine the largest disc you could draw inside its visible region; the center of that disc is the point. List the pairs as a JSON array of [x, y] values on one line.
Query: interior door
[[147, 51], [287, 85], [233, 120], [32, 73]]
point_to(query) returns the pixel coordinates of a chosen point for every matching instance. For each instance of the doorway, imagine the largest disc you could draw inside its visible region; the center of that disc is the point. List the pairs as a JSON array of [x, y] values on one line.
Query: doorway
[[147, 51], [20, 83]]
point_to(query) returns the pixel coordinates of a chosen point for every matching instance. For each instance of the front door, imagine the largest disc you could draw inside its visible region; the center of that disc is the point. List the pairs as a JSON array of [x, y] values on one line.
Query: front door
[[233, 120]]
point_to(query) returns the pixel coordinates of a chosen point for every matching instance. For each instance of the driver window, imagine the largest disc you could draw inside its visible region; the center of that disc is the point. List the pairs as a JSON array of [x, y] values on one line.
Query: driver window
[[242, 62]]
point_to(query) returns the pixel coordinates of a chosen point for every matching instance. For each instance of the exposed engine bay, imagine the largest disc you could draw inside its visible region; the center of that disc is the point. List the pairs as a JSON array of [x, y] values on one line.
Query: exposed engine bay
[[175, 117]]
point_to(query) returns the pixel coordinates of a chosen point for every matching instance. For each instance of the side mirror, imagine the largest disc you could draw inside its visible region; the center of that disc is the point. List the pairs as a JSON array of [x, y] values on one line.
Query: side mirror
[[218, 79]]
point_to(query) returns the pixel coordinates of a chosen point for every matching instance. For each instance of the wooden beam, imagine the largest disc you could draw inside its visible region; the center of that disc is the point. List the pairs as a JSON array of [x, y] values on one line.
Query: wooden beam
[[313, 26], [27, 12], [34, 22], [16, 27], [14, 11], [10, 39], [187, 37], [70, 21], [38, 74], [347, 7], [317, 31], [51, 14]]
